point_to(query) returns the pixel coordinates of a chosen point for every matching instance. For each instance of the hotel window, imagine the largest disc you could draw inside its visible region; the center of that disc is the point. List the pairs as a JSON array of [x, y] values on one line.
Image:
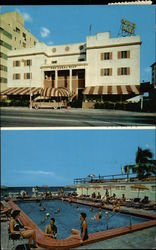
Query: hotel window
[[106, 56], [106, 72], [153, 188], [123, 54], [24, 36], [27, 75], [117, 187], [16, 63], [123, 187], [16, 76], [27, 62], [123, 71], [4, 68], [17, 30]]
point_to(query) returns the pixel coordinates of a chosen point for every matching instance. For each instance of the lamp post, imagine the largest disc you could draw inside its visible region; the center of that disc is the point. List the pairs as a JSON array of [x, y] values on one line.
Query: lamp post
[[28, 63]]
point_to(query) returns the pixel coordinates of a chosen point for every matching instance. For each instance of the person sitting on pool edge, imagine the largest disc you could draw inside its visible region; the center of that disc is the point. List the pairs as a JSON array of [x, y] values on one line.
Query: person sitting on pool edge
[[83, 233], [51, 229], [116, 207], [15, 227]]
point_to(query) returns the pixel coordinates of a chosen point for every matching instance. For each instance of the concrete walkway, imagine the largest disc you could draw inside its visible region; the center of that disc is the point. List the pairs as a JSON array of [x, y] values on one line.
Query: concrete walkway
[[144, 239]]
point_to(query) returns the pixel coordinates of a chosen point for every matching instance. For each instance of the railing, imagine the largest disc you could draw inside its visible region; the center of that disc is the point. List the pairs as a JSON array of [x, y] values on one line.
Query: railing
[[106, 178]]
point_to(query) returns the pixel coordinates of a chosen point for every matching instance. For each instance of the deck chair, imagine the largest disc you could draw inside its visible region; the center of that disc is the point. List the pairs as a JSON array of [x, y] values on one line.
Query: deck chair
[[14, 240]]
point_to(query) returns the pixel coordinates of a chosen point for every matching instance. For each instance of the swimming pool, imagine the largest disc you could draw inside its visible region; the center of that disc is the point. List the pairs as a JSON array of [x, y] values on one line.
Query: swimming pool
[[69, 216]]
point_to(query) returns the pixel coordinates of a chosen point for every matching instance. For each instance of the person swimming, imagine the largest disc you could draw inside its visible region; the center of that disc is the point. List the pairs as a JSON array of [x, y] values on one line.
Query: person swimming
[[98, 215], [46, 218], [57, 211], [42, 209]]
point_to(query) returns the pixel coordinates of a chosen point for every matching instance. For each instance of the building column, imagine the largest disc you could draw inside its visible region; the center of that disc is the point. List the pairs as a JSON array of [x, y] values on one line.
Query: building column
[[70, 80], [56, 78]]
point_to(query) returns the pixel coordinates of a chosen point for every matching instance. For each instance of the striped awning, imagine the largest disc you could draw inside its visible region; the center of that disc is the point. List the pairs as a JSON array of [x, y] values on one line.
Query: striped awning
[[112, 90], [21, 91], [55, 92]]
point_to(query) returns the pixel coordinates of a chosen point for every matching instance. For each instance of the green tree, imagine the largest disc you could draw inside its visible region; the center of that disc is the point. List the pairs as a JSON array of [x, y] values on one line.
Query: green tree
[[144, 166]]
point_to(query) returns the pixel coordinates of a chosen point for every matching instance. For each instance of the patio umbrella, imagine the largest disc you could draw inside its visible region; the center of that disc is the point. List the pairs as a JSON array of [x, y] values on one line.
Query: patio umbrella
[[139, 187]]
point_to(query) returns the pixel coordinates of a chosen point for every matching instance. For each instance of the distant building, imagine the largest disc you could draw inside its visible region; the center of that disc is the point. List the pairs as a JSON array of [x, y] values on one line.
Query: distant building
[[154, 74], [101, 66], [13, 36]]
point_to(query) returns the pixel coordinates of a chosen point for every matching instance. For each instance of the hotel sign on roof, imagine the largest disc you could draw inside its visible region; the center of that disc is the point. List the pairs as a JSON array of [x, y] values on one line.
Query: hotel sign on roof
[[127, 26]]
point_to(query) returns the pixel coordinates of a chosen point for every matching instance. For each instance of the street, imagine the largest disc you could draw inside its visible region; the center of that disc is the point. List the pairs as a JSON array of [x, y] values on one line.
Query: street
[[23, 117]]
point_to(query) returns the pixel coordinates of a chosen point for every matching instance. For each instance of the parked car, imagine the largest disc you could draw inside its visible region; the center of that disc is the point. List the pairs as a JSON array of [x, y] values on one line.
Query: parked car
[[48, 103]]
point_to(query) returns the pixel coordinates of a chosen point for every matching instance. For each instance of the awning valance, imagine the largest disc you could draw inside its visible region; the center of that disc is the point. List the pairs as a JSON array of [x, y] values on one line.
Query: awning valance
[[21, 91], [112, 90], [55, 92]]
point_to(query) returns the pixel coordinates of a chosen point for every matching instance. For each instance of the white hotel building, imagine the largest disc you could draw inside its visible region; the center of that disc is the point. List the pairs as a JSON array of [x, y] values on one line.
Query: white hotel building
[[101, 66]]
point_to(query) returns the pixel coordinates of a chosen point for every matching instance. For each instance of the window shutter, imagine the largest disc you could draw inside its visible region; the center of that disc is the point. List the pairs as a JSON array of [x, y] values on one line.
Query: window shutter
[[128, 54], [24, 75], [110, 72], [30, 62], [119, 71], [102, 55], [128, 71], [13, 76], [14, 63], [25, 62], [119, 54], [102, 72], [110, 55], [30, 75]]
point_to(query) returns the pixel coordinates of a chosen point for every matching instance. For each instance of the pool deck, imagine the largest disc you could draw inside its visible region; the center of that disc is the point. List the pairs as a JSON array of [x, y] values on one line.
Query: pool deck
[[99, 240]]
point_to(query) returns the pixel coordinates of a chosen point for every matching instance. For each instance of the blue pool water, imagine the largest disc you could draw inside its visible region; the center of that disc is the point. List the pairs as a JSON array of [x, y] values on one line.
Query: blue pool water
[[69, 217]]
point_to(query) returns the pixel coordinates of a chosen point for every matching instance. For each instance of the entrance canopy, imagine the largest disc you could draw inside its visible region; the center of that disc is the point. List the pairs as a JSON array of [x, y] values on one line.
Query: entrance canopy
[[112, 90], [21, 91], [55, 92]]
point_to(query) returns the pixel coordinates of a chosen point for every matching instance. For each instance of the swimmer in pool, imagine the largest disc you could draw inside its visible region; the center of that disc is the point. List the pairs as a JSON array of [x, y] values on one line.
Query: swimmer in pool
[[98, 215], [43, 209], [58, 211], [51, 229]]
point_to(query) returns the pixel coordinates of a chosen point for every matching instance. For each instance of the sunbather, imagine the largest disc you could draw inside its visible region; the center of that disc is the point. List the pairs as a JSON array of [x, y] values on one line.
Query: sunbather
[[17, 228]]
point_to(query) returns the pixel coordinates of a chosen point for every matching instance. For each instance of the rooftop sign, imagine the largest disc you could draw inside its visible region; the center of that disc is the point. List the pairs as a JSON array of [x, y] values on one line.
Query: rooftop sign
[[128, 28]]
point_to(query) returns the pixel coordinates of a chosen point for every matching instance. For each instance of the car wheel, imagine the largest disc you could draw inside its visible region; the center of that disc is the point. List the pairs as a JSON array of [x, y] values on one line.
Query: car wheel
[[36, 106]]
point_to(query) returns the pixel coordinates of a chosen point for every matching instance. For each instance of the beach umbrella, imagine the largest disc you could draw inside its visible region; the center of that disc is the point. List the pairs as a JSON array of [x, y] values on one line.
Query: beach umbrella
[[91, 175], [139, 187]]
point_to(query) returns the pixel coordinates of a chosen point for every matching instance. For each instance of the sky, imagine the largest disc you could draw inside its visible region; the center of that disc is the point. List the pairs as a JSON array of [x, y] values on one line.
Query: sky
[[57, 157], [67, 24]]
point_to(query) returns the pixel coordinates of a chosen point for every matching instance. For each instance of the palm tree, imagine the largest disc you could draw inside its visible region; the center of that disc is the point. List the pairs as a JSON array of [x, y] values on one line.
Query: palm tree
[[145, 166]]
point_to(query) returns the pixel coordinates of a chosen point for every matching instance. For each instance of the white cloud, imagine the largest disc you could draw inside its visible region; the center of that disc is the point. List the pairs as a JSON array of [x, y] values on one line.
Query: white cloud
[[26, 16], [44, 32], [40, 172], [50, 43]]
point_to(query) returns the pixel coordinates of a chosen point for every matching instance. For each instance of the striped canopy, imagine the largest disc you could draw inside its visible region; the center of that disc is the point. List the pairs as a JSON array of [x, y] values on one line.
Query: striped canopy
[[21, 91], [54, 92], [47, 92], [112, 90]]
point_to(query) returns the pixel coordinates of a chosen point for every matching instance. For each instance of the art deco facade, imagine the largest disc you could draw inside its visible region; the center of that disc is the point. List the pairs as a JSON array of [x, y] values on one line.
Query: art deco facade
[[100, 66]]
